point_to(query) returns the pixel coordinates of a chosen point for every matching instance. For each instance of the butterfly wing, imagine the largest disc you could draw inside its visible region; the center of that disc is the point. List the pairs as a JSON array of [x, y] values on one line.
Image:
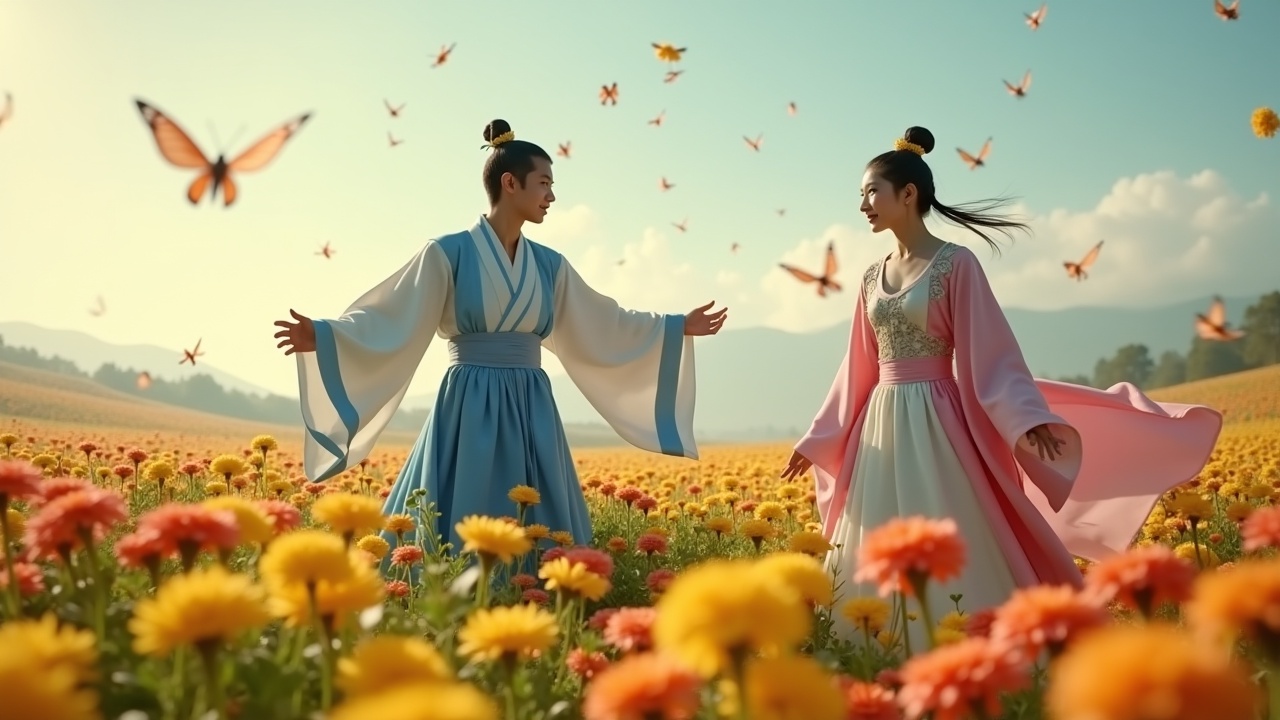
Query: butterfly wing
[[1091, 256], [266, 149], [986, 148], [1026, 81], [174, 143], [1217, 312], [831, 266], [1204, 329], [798, 273], [970, 160]]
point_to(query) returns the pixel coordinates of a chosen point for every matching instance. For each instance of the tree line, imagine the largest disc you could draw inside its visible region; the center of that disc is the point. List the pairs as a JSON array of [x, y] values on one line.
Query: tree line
[[198, 392], [1133, 363]]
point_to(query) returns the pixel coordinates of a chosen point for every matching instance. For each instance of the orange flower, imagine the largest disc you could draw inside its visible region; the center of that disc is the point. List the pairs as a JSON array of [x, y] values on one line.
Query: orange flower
[[979, 623], [1135, 672], [631, 629], [30, 579], [189, 529], [406, 555], [19, 480], [283, 516], [584, 664], [953, 679], [1261, 529], [868, 701], [61, 525], [1244, 600], [55, 488], [906, 550], [651, 544], [1142, 578], [1047, 617], [642, 687]]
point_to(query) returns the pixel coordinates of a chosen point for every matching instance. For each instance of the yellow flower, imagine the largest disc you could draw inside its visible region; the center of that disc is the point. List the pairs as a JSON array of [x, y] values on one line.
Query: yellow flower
[[946, 635], [28, 690], [492, 539], [722, 607], [304, 558], [507, 632], [1265, 122], [1192, 506], [226, 466], [336, 600], [264, 444], [374, 545], [954, 620], [770, 510], [563, 538], [400, 524], [524, 495], [255, 526], [536, 532], [454, 701], [206, 605], [1187, 551], [573, 579], [802, 572], [388, 661], [215, 487], [14, 522], [869, 613], [158, 471], [348, 515], [44, 645], [719, 525], [756, 529], [791, 686], [809, 543]]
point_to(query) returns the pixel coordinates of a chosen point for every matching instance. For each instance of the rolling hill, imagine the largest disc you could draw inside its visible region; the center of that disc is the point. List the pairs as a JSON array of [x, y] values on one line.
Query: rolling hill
[[1241, 397]]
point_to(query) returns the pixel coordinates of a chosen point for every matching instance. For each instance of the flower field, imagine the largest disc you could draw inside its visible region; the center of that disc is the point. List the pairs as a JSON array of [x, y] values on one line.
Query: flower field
[[174, 576]]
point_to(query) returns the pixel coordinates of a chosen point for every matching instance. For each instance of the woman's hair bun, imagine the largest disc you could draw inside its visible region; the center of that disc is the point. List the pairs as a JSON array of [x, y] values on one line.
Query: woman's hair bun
[[920, 136], [496, 128]]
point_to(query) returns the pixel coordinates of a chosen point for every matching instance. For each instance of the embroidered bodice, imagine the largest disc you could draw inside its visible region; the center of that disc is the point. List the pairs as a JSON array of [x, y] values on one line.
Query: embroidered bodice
[[900, 320]]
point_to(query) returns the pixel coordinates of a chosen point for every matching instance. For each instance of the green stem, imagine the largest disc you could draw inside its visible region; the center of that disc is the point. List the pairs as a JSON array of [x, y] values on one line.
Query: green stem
[[509, 666], [326, 652], [13, 594], [919, 585], [97, 591], [1195, 542], [482, 585], [906, 626], [214, 699]]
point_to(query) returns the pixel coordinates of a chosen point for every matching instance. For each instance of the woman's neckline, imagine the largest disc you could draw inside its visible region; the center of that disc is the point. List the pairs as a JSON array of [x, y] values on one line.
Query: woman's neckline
[[912, 283]]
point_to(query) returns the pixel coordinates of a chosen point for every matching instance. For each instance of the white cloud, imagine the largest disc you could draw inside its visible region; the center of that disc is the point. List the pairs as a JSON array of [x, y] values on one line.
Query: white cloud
[[567, 227], [1167, 238]]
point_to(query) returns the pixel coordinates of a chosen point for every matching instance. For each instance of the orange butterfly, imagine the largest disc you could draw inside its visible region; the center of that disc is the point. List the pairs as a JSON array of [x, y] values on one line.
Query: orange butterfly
[[662, 183], [1078, 271], [609, 94], [99, 308], [564, 149], [191, 355], [667, 52], [682, 226], [1019, 91], [754, 144], [443, 56], [791, 108], [657, 122], [395, 112], [827, 280], [326, 251], [392, 140], [734, 248], [178, 148], [1214, 326], [672, 75], [144, 380], [1231, 12], [7, 112], [1034, 19], [976, 162]]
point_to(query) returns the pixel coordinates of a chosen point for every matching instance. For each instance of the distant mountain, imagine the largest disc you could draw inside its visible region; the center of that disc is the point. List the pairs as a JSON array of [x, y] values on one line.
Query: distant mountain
[[89, 353], [754, 383]]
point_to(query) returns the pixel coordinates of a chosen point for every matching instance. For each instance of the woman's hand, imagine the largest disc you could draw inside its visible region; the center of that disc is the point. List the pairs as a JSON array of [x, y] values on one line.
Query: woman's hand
[[299, 336], [1044, 442], [698, 322], [797, 466]]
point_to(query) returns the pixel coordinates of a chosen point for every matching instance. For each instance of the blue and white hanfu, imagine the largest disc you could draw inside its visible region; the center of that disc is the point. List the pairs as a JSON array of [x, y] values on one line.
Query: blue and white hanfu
[[495, 423]]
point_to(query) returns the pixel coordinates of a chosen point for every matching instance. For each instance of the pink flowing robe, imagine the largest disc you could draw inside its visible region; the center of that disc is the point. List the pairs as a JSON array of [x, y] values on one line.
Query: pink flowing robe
[[1122, 450]]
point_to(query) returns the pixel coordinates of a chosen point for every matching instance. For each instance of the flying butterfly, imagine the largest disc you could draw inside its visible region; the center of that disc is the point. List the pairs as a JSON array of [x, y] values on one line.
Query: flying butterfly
[[395, 111], [144, 380], [672, 75], [564, 149], [981, 159], [1034, 19], [326, 251], [7, 112], [667, 52], [1213, 325], [1020, 90], [826, 281], [178, 148], [442, 57], [99, 308], [189, 356], [657, 121], [1079, 270], [754, 144], [682, 226], [1227, 12], [393, 140], [609, 94], [791, 108], [665, 185]]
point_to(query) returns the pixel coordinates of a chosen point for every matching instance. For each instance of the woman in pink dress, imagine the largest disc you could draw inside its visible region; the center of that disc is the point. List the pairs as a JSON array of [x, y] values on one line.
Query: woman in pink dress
[[933, 412]]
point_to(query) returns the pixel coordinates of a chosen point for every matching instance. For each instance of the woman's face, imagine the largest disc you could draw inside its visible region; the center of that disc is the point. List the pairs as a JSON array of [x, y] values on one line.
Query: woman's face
[[884, 207]]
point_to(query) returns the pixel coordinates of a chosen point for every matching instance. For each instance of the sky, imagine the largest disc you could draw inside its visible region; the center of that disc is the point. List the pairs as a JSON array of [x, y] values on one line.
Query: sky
[[1135, 130]]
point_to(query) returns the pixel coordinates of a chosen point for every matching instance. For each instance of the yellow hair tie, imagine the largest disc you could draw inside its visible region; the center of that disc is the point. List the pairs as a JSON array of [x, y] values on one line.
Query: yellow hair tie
[[507, 136], [901, 144]]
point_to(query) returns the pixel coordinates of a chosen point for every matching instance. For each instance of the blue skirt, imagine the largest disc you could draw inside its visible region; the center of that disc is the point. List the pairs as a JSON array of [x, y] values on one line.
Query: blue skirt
[[494, 426]]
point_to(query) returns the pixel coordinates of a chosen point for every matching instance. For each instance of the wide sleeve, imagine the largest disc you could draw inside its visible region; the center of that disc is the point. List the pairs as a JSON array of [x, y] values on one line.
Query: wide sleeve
[[999, 396], [826, 444], [364, 360], [635, 368]]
